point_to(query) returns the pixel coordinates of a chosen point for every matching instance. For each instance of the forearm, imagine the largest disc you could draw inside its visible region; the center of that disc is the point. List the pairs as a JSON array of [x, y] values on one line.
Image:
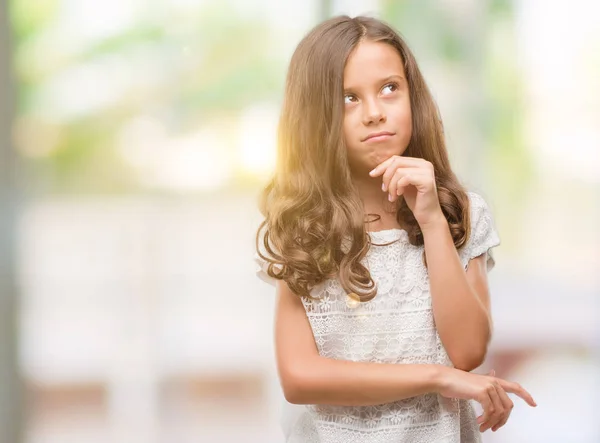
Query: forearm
[[462, 321], [347, 383]]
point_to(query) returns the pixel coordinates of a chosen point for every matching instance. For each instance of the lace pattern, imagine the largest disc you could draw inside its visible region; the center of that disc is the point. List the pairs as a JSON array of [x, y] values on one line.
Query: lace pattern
[[397, 326]]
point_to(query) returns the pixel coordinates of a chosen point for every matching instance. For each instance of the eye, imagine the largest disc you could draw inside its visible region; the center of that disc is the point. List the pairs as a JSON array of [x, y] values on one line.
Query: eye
[[391, 87], [349, 98]]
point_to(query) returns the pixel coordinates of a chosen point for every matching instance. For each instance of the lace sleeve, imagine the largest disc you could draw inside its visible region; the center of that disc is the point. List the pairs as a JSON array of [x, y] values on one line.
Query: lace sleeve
[[262, 265], [483, 233], [261, 269]]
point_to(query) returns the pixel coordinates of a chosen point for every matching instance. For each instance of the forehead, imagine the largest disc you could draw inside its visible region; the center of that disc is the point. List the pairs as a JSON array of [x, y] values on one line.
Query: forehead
[[370, 62]]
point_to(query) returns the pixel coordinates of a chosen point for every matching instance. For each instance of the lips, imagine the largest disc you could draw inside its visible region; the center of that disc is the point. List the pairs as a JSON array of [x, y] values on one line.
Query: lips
[[378, 136]]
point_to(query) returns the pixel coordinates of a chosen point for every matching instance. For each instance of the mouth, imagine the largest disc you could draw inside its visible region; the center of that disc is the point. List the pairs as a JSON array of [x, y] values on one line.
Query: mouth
[[378, 136]]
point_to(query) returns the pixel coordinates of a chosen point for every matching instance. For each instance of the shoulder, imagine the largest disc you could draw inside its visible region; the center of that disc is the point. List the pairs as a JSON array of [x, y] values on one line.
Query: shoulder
[[483, 235], [482, 221], [479, 207], [476, 200]]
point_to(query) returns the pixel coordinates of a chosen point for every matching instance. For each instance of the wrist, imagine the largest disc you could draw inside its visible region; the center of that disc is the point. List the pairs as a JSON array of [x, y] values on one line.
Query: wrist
[[438, 223], [439, 377]]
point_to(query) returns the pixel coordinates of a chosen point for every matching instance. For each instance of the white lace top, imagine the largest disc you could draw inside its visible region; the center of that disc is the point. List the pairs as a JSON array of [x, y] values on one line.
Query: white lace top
[[397, 327]]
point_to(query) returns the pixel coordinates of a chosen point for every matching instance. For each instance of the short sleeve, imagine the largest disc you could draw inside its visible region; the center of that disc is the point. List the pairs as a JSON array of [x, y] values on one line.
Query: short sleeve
[[483, 236], [261, 269], [262, 265]]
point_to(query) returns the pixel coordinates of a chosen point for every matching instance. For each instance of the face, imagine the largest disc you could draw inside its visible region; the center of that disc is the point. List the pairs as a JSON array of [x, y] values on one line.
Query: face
[[377, 119]]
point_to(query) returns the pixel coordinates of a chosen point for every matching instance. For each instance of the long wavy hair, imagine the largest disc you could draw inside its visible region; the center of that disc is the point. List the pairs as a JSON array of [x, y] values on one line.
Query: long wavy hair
[[314, 227]]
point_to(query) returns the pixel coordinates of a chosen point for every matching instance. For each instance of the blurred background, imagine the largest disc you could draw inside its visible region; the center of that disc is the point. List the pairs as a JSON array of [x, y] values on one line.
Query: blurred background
[[134, 138]]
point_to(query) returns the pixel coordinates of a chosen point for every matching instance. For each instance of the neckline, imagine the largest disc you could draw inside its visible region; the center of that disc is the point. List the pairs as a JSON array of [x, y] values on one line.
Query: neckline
[[388, 234], [386, 230]]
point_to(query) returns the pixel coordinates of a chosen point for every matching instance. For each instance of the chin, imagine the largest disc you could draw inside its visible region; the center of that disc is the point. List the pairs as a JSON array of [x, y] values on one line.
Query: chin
[[380, 157]]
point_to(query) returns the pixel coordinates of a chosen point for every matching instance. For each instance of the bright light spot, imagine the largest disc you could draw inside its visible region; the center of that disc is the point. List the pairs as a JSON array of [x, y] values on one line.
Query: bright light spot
[[258, 134], [195, 162]]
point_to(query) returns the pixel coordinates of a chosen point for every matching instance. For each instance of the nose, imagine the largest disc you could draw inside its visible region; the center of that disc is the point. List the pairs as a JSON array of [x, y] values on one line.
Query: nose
[[373, 112]]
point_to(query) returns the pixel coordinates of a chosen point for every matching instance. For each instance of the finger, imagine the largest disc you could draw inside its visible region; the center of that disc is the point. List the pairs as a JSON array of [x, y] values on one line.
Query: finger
[[399, 181], [488, 408], [498, 413], [388, 173], [508, 407], [515, 388], [422, 181], [404, 161], [381, 167], [402, 184], [412, 162], [395, 171], [392, 185]]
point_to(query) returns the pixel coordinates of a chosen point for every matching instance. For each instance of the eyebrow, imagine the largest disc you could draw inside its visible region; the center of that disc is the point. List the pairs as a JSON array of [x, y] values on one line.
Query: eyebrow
[[383, 80]]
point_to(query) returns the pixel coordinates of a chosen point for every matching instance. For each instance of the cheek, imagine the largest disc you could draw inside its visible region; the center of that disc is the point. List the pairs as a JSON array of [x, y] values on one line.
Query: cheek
[[402, 117], [349, 134], [351, 123], [355, 152], [402, 122], [346, 130]]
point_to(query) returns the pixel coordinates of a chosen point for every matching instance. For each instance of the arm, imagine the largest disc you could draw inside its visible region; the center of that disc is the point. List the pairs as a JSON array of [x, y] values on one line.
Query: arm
[[308, 378], [460, 299]]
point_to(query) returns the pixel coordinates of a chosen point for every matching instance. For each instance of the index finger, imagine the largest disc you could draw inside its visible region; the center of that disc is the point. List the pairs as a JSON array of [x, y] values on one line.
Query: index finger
[[517, 389], [408, 161], [381, 167]]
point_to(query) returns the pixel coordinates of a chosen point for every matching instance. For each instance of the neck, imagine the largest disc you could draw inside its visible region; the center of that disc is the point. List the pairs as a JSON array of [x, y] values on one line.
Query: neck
[[376, 205]]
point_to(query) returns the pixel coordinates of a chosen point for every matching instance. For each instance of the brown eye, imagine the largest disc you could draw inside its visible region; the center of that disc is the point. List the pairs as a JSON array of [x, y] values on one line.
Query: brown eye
[[349, 98], [391, 87]]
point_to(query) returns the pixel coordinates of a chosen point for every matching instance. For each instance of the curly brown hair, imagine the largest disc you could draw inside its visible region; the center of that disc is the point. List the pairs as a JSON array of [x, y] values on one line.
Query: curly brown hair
[[314, 227]]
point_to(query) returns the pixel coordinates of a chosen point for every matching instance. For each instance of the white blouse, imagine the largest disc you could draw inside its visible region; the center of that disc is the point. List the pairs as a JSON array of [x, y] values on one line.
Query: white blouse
[[397, 327]]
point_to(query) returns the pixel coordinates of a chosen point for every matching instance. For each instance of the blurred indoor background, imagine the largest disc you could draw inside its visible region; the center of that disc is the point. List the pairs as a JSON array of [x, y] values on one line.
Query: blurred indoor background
[[135, 136]]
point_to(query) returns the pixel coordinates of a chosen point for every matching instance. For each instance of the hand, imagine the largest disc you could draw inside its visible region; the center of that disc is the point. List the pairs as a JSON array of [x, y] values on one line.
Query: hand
[[414, 179], [488, 390]]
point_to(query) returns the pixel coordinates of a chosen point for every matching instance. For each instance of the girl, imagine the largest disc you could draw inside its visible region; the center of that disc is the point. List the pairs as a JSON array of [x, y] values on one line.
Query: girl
[[378, 253]]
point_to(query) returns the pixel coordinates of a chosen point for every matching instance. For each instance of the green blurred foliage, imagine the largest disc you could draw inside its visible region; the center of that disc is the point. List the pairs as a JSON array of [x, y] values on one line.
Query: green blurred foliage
[[211, 63], [29, 17]]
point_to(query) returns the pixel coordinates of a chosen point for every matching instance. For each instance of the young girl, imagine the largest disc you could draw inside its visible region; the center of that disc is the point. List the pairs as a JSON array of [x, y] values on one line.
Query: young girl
[[378, 253]]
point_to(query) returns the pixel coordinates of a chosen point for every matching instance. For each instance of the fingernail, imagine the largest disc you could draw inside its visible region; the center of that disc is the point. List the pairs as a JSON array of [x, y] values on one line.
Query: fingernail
[[383, 187], [373, 171], [390, 197]]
